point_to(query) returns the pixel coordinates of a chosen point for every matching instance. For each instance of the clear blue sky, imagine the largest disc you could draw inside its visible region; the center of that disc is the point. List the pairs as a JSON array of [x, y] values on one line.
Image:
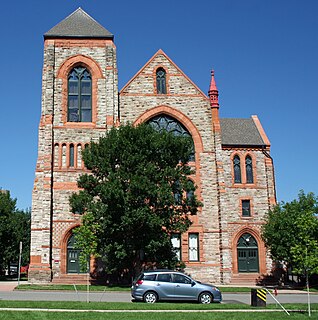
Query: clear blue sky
[[265, 56]]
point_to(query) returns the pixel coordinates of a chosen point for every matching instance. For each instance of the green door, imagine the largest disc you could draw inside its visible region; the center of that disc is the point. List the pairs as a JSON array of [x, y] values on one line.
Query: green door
[[73, 255], [247, 254]]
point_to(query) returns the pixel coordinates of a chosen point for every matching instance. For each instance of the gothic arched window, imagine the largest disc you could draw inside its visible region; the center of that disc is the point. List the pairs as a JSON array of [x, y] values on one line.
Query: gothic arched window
[[79, 95], [237, 169], [249, 169], [161, 81], [167, 123]]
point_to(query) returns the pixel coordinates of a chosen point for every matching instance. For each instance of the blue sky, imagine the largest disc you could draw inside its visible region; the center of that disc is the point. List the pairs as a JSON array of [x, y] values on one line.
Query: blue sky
[[264, 53]]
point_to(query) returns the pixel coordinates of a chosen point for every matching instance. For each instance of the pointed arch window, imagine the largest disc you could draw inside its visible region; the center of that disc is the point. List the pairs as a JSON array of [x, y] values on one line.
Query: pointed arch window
[[237, 169], [161, 81], [79, 95], [249, 169], [167, 123]]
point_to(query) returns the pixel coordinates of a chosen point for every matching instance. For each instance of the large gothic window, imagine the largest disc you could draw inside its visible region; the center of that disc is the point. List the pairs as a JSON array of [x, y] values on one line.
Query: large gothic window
[[79, 95], [167, 123], [161, 81], [237, 169], [249, 169]]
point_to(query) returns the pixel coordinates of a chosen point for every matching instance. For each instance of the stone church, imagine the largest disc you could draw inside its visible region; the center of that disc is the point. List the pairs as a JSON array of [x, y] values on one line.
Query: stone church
[[234, 171]]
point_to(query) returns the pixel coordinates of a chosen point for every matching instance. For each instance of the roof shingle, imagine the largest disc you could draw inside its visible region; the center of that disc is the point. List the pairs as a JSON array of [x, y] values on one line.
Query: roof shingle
[[78, 25], [240, 132]]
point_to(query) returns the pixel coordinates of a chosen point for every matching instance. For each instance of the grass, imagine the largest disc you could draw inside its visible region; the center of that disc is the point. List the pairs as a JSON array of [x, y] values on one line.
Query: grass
[[145, 311], [142, 311], [75, 305], [30, 315]]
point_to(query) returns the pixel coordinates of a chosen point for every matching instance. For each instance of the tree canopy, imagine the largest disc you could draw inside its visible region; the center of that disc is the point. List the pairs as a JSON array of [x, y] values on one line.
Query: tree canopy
[[137, 194], [291, 233], [14, 227]]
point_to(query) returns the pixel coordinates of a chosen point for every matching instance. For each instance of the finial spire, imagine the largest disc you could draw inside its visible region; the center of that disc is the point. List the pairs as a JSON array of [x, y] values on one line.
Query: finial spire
[[213, 92]]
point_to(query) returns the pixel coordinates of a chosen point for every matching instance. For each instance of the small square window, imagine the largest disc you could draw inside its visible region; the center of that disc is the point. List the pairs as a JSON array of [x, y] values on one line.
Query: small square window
[[246, 208]]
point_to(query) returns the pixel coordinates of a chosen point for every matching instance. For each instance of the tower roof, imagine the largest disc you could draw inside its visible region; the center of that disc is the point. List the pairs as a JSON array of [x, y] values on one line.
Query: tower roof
[[78, 25]]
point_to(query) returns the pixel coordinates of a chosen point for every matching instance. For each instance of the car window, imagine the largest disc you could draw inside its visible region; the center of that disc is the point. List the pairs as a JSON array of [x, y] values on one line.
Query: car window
[[149, 277], [179, 278], [165, 277]]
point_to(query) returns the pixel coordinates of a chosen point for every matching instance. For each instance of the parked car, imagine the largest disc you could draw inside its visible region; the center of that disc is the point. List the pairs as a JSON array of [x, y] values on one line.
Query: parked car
[[151, 286]]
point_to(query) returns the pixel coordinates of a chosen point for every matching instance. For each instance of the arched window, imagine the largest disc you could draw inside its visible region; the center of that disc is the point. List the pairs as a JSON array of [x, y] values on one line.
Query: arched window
[[249, 169], [237, 169], [161, 81], [71, 158], [167, 123], [190, 192], [79, 95]]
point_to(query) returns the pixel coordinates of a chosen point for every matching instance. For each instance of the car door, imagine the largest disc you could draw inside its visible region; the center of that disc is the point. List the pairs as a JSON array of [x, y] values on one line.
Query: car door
[[184, 287], [164, 286]]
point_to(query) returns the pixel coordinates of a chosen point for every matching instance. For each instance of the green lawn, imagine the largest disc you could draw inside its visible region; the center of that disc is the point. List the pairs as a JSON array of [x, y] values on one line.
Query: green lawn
[[145, 311], [30, 315]]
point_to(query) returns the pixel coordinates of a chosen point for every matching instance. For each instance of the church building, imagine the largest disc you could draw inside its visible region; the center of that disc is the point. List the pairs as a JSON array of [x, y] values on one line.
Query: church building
[[234, 171]]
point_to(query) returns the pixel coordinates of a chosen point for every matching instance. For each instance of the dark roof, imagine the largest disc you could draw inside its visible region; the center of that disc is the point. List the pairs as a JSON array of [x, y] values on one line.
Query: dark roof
[[79, 25], [240, 132]]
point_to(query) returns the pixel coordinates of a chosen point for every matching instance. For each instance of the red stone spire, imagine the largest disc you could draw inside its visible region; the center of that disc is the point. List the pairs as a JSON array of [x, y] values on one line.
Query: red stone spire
[[213, 92]]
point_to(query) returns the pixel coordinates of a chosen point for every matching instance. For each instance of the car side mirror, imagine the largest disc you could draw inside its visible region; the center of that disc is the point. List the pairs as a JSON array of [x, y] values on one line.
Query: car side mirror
[[193, 283]]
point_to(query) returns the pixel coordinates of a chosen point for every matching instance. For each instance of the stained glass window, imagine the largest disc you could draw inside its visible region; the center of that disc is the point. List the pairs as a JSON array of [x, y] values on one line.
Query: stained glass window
[[237, 169], [167, 123], [161, 81], [79, 95], [249, 169]]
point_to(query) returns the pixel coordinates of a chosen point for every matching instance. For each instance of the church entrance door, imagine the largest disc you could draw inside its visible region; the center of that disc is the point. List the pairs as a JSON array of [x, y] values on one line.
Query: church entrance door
[[247, 254], [73, 254]]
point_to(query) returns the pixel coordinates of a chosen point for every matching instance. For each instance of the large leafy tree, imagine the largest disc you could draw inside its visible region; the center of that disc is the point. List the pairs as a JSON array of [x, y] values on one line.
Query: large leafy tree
[[291, 233], [14, 228], [137, 193]]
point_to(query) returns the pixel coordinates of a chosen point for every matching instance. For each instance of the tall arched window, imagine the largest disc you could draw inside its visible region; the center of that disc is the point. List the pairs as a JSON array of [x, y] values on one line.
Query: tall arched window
[[249, 169], [237, 170], [71, 155], [167, 123], [161, 81], [79, 95]]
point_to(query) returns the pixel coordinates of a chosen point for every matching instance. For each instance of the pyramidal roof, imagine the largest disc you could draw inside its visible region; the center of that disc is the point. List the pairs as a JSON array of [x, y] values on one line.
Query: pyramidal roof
[[78, 24]]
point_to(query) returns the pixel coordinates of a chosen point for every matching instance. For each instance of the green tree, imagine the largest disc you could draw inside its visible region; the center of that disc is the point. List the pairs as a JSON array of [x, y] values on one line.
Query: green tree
[[134, 197], [291, 233], [14, 227]]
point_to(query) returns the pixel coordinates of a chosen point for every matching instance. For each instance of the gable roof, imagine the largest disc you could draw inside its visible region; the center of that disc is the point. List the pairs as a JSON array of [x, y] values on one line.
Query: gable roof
[[241, 132], [78, 25], [161, 52]]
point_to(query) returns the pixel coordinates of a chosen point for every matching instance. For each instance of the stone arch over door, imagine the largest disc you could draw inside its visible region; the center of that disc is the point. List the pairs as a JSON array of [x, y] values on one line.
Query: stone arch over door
[[247, 246], [247, 254]]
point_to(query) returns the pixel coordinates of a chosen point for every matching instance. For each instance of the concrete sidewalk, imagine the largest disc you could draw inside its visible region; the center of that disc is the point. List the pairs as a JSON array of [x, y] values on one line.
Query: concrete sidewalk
[[8, 285]]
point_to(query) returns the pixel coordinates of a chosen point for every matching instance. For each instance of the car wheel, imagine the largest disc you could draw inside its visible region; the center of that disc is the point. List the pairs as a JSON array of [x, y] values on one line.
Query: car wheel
[[205, 298], [150, 297]]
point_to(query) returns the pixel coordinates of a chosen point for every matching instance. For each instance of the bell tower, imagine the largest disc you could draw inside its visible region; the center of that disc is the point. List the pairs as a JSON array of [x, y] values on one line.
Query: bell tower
[[79, 103]]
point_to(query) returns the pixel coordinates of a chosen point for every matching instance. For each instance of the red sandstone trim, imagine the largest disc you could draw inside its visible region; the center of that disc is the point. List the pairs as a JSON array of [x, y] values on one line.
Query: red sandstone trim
[[261, 131], [79, 43], [160, 52], [96, 73], [261, 248]]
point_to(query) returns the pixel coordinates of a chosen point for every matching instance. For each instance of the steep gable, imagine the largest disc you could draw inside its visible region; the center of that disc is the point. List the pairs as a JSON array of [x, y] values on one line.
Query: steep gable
[[145, 80]]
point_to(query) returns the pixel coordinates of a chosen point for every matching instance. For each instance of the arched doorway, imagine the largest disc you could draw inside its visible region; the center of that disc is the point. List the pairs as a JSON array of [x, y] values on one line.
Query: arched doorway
[[73, 257], [247, 254]]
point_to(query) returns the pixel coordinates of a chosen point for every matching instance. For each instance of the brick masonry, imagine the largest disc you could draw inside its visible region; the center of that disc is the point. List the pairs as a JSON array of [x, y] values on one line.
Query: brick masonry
[[219, 223]]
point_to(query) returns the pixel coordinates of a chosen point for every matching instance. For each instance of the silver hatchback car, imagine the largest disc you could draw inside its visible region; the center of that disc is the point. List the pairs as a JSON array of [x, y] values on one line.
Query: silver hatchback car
[[151, 286]]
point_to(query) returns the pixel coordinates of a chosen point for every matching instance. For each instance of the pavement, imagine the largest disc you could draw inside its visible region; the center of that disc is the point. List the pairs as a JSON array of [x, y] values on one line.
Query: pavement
[[8, 285]]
